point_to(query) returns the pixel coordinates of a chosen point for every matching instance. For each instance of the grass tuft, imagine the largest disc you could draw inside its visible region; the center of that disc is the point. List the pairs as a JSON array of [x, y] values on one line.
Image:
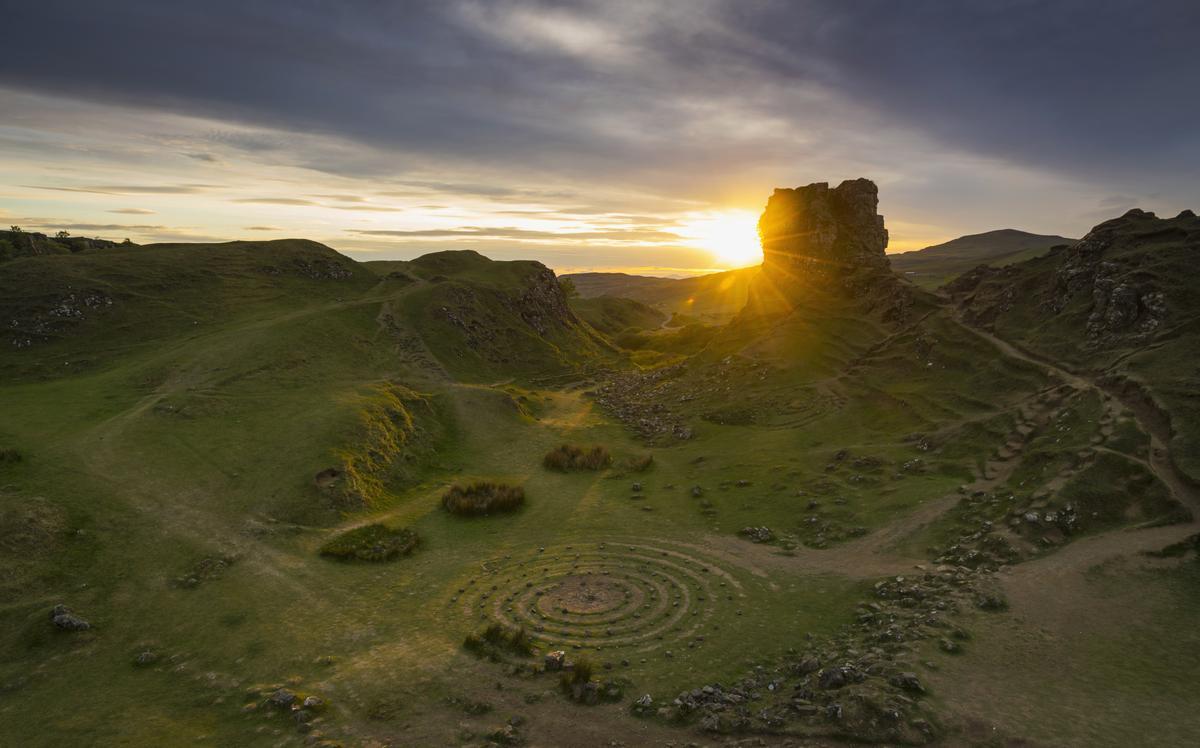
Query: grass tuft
[[572, 457], [483, 497], [497, 639], [371, 543]]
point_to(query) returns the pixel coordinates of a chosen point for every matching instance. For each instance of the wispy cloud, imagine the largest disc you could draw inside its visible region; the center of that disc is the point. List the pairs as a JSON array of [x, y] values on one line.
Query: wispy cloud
[[274, 201], [508, 232], [130, 189]]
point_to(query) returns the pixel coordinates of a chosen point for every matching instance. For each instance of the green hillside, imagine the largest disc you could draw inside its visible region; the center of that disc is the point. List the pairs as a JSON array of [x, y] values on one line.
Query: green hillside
[[1121, 304], [934, 266], [713, 298], [613, 315], [232, 460]]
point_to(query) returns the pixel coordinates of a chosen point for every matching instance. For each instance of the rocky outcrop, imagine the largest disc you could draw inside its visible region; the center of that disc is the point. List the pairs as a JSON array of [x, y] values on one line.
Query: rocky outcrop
[[1122, 303], [818, 232], [818, 239]]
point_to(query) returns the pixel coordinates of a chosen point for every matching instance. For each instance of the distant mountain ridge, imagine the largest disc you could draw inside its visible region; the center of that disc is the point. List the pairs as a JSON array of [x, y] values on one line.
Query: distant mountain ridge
[[938, 264]]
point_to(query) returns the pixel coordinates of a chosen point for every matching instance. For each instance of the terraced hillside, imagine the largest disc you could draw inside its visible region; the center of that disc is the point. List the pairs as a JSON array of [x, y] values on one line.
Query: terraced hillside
[[858, 511]]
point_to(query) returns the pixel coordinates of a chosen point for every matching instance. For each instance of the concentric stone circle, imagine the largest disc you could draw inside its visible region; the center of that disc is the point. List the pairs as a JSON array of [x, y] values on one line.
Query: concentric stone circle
[[602, 595]]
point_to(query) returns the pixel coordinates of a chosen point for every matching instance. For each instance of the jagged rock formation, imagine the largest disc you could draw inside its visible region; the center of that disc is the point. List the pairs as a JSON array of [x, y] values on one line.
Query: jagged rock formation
[[1109, 280], [1122, 303], [827, 240], [818, 232]]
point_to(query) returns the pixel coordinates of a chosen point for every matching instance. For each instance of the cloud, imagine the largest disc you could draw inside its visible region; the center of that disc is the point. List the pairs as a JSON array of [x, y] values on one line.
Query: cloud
[[61, 225], [130, 189], [368, 208], [478, 232], [273, 201], [970, 115], [133, 211], [263, 228]]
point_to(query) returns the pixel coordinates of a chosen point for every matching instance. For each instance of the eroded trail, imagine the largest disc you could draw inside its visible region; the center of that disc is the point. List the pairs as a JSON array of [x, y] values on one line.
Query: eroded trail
[[1090, 551]]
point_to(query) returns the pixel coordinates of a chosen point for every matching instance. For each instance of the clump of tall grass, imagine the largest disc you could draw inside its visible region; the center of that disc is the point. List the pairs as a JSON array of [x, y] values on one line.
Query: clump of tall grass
[[640, 463], [482, 497], [572, 457], [497, 638], [371, 543]]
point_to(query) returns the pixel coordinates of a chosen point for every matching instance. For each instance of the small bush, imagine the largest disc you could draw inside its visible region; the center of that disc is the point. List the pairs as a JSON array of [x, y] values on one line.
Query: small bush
[[496, 639], [583, 671], [483, 497], [571, 457], [8, 454], [371, 543], [640, 463]]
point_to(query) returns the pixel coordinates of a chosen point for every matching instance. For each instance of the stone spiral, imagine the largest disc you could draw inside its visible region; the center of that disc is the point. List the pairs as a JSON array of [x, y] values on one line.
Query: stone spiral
[[601, 595]]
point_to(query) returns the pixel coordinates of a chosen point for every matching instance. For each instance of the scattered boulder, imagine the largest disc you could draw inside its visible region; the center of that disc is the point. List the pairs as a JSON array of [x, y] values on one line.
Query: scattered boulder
[[907, 681], [554, 661], [145, 658], [757, 534], [64, 620]]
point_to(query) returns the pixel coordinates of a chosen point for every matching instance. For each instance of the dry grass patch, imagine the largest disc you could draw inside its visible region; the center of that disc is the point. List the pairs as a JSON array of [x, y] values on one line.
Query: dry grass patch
[[371, 543], [483, 497], [573, 457]]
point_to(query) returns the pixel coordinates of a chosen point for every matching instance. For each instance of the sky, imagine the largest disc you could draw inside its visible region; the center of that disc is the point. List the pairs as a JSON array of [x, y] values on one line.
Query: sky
[[618, 135]]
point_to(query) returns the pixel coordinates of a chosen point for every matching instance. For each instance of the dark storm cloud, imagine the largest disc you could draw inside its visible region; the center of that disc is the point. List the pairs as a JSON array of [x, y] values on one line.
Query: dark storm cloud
[[1096, 87], [1078, 83]]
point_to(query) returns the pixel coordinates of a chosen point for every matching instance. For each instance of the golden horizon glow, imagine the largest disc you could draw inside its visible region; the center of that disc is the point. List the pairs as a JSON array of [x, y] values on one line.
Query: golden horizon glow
[[730, 236]]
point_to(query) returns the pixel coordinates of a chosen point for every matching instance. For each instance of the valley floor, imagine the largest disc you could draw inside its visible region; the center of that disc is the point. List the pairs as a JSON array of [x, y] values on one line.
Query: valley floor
[[153, 501]]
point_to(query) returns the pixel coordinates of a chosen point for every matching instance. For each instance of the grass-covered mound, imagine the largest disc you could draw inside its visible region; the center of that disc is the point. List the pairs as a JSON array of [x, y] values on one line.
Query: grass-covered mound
[[483, 497], [573, 457], [371, 543]]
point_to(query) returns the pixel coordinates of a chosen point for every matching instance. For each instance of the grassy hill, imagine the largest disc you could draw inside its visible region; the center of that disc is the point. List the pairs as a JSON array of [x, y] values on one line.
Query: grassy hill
[[14, 244], [934, 266], [818, 513], [613, 315], [713, 298], [1121, 303]]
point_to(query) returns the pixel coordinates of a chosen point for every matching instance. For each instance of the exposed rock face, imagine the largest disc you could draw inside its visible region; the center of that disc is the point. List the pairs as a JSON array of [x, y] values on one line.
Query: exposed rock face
[[832, 240], [1121, 303], [820, 232], [1121, 285]]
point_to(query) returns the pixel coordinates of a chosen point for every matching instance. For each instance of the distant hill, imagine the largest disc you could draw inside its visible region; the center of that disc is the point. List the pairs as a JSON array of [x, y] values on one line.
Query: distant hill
[[713, 298], [612, 314], [14, 244], [462, 312], [934, 266]]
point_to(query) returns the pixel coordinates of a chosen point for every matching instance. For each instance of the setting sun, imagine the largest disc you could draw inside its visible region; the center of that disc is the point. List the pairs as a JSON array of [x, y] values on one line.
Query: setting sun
[[730, 236]]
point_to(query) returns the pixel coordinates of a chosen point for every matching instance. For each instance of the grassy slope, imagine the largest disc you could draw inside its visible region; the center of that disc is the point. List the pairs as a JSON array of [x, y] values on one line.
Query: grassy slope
[[1149, 254], [202, 440], [714, 298], [612, 315], [933, 266]]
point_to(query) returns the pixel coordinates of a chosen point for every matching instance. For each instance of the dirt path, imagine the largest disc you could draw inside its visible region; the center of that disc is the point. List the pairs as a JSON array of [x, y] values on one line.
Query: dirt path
[[1028, 581]]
